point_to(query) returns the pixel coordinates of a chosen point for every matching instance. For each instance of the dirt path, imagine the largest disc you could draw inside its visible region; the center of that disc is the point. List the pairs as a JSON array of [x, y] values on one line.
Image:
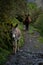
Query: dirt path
[[30, 54]]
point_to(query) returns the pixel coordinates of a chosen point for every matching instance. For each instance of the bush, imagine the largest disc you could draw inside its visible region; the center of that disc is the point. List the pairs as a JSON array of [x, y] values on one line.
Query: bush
[[5, 38], [3, 54], [5, 33], [39, 23]]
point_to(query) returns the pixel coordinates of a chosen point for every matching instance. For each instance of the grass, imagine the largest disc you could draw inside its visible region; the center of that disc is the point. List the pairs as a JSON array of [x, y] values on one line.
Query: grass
[[31, 29], [3, 52], [22, 35], [40, 39], [3, 55]]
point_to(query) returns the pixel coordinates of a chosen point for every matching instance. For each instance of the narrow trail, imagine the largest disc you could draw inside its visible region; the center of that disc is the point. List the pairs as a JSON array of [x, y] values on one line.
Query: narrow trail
[[30, 54]]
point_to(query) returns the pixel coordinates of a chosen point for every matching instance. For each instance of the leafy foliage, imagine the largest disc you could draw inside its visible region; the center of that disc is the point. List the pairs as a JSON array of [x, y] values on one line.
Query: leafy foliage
[[33, 10], [3, 54], [9, 10], [39, 23], [5, 38]]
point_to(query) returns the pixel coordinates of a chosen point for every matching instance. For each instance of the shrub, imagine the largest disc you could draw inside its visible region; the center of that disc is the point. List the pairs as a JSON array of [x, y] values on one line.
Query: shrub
[[39, 23]]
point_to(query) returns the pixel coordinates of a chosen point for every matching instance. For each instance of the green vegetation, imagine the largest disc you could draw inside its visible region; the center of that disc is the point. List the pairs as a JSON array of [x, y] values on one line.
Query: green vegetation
[[3, 55], [40, 39], [34, 11], [32, 29], [10, 9], [39, 23], [37, 19], [5, 38], [22, 35]]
